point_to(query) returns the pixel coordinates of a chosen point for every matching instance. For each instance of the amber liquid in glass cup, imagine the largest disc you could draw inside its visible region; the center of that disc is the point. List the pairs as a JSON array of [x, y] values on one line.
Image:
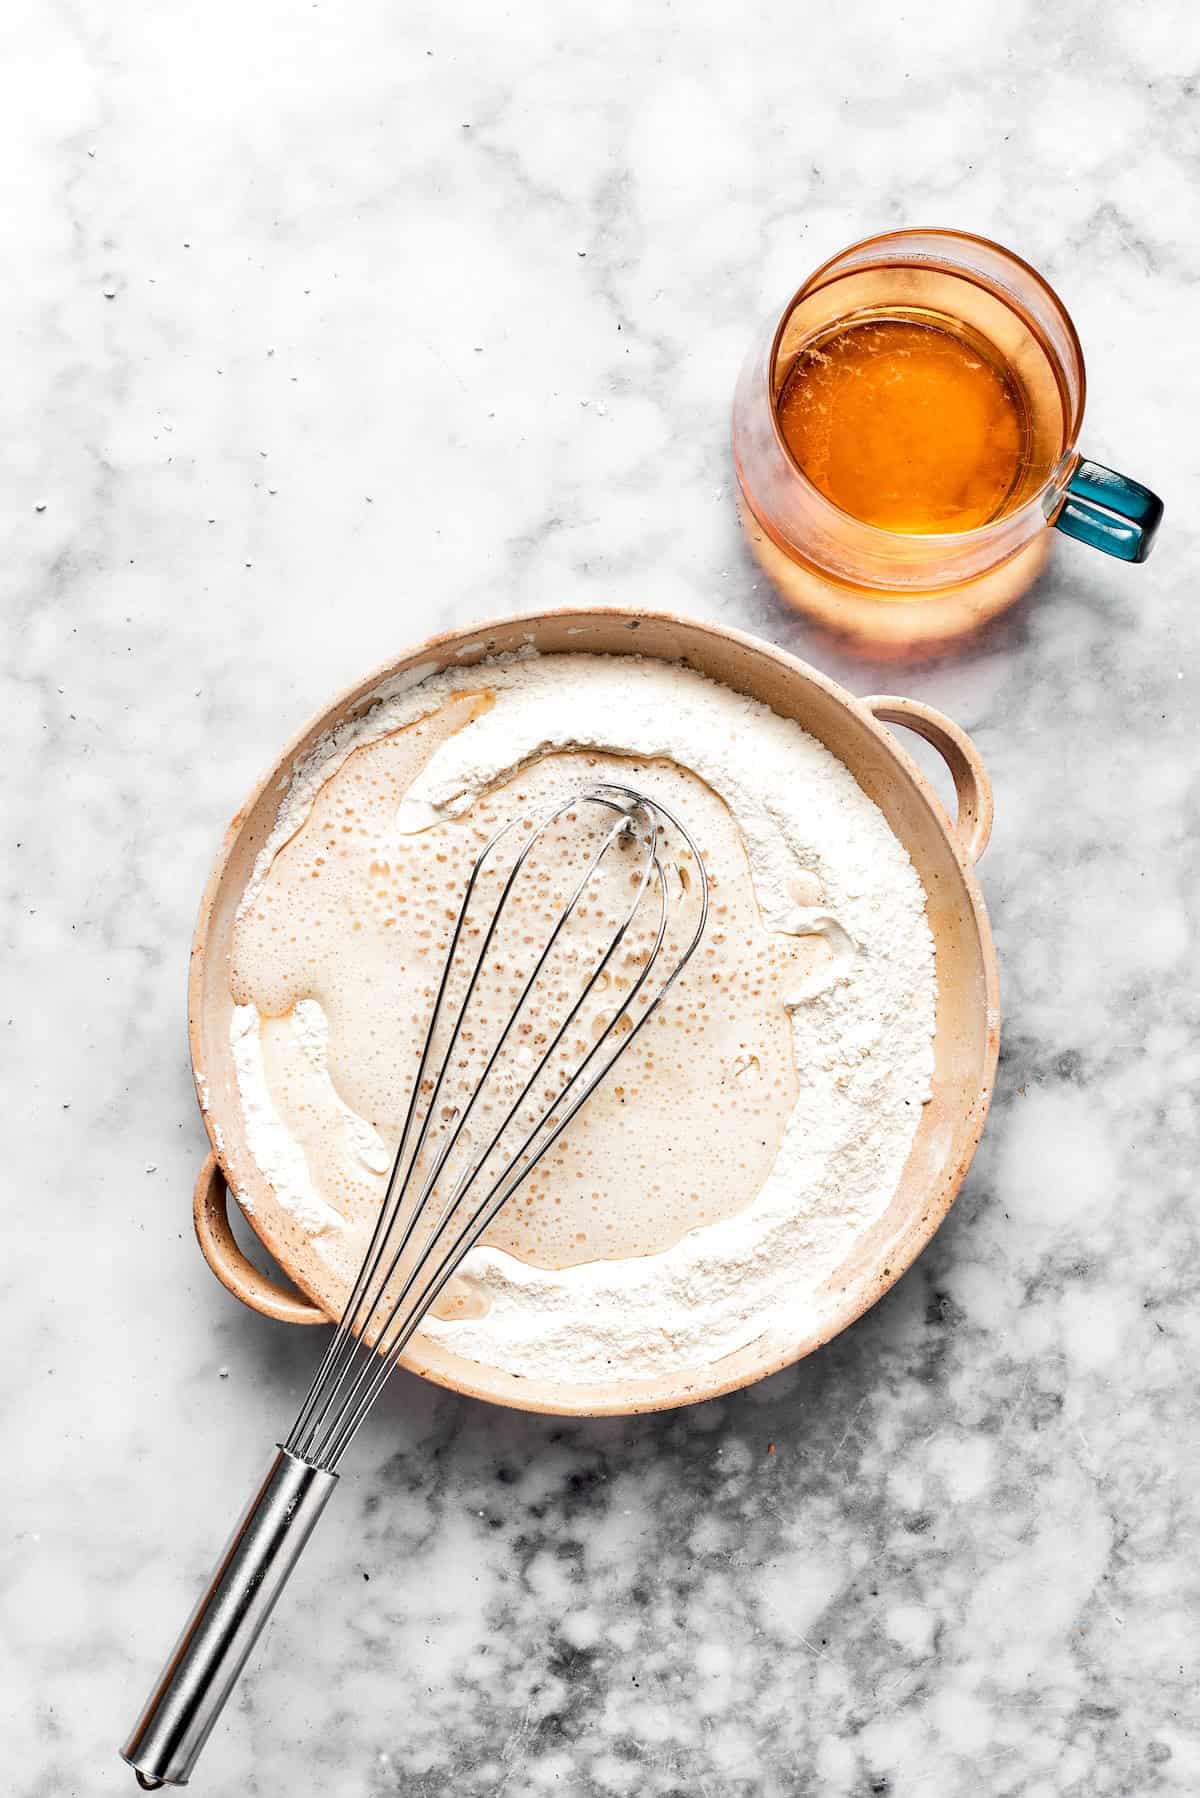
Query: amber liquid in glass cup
[[906, 432], [909, 421]]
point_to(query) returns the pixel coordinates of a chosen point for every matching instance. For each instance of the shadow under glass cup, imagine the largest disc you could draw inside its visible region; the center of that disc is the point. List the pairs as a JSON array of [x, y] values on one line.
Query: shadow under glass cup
[[924, 298]]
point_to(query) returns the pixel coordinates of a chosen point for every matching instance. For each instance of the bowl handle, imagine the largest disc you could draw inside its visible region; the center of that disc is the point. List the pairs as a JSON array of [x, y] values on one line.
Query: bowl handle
[[960, 755], [210, 1212]]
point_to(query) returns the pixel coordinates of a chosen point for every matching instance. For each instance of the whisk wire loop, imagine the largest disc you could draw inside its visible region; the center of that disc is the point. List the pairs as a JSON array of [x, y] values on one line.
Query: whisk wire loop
[[377, 1322]]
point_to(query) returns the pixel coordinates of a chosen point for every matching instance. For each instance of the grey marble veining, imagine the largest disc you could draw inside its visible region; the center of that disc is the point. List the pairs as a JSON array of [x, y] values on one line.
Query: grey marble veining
[[330, 326]]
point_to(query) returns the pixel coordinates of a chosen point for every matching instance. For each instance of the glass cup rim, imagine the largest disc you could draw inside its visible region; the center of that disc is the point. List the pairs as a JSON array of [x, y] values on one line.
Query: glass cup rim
[[1035, 502]]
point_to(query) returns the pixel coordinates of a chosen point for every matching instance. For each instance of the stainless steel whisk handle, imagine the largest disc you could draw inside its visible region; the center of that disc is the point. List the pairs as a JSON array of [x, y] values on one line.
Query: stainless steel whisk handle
[[228, 1619]]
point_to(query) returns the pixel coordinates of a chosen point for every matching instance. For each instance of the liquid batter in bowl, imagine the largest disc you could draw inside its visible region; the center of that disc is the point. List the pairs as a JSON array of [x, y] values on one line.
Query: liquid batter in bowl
[[751, 1134]]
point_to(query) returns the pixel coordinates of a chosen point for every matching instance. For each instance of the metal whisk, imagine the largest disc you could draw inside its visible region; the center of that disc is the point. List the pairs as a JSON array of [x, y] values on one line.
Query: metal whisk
[[524, 1026]]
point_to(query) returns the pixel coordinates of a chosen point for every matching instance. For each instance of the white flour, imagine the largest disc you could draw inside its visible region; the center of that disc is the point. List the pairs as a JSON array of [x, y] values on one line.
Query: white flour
[[823, 859]]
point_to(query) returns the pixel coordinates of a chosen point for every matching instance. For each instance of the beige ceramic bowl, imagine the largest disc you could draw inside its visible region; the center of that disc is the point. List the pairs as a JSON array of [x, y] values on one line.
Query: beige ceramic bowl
[[943, 852]]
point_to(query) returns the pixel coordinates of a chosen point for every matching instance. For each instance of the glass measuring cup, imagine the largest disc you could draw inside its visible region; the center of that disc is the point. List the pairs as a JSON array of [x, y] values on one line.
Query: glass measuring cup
[[830, 561]]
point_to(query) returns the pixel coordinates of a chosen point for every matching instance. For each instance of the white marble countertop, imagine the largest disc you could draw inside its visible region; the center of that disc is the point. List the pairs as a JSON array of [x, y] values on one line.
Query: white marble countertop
[[328, 326]]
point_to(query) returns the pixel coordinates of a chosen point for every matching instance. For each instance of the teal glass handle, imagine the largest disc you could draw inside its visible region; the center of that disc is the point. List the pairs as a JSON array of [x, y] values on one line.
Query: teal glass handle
[[1111, 512]]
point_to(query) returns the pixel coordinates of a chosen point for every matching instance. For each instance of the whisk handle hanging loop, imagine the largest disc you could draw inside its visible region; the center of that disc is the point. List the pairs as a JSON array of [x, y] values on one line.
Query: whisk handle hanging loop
[[228, 1619]]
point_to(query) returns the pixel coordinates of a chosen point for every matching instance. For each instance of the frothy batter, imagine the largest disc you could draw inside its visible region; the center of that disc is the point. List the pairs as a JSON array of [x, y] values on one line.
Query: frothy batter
[[753, 1131]]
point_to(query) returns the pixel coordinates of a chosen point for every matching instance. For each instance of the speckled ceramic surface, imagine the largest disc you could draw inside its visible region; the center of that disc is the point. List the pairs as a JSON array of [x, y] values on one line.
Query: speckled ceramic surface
[[943, 849]]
